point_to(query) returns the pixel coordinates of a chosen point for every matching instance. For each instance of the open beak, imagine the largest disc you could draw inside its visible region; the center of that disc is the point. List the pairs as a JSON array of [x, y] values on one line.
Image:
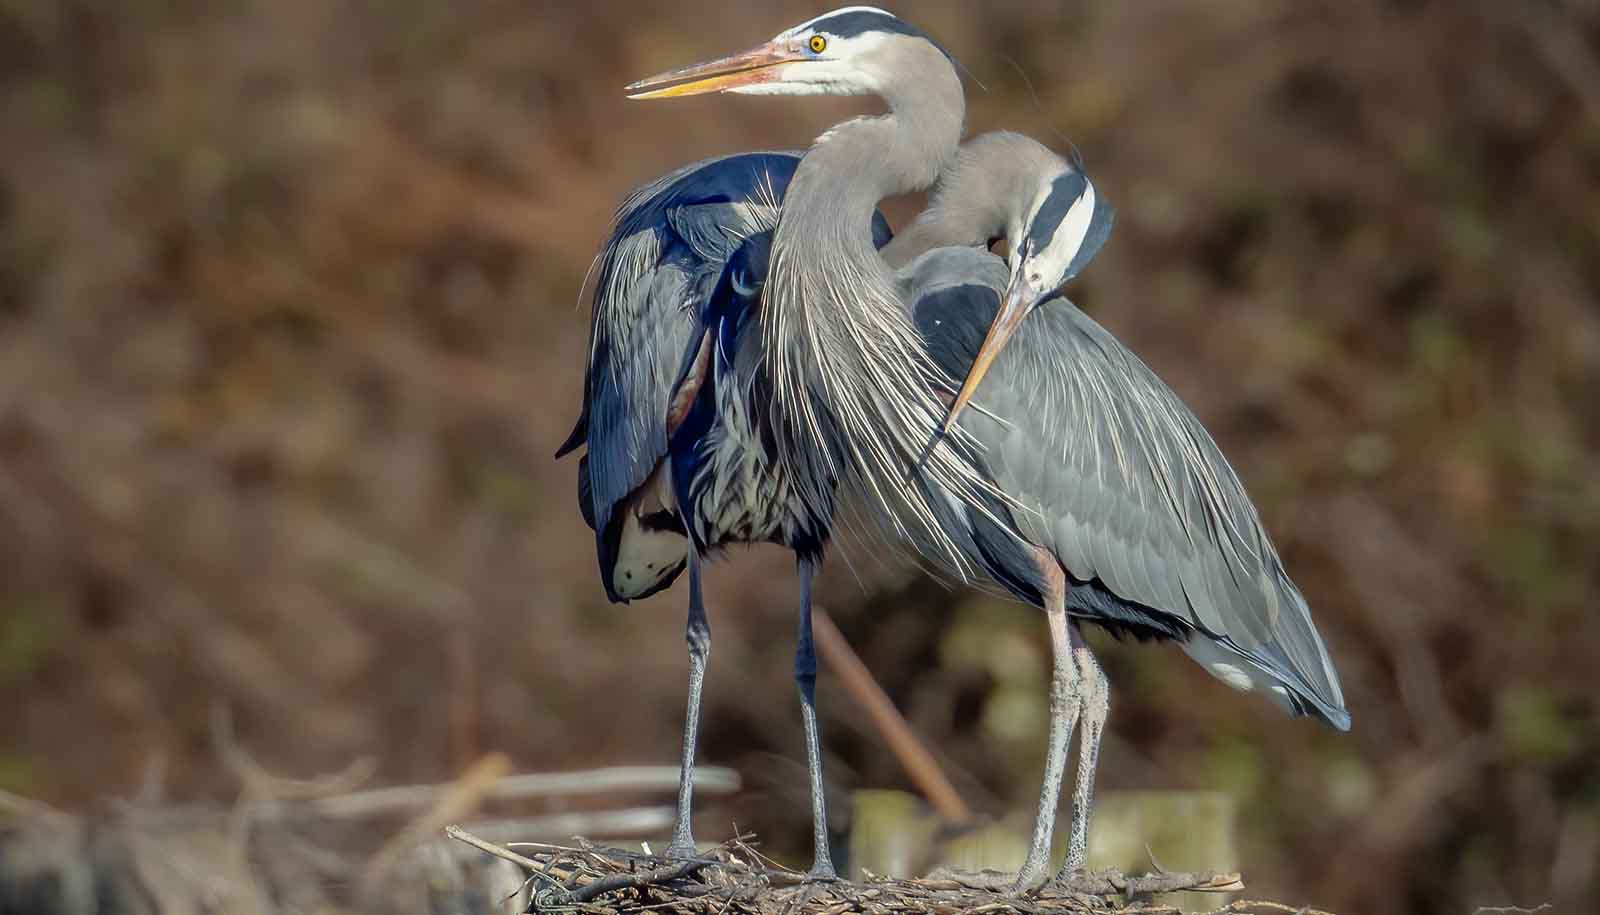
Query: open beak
[[1019, 300], [757, 65]]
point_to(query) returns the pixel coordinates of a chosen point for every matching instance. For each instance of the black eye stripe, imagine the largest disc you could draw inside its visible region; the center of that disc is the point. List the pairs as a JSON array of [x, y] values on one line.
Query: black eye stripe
[[859, 22], [1064, 192], [856, 23]]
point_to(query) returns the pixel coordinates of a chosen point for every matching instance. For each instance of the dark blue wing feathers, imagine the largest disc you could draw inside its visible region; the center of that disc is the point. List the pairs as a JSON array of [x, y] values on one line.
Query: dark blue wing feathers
[[671, 239]]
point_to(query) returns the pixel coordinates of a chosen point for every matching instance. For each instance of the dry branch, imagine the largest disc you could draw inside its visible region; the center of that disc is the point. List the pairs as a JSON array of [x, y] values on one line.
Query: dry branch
[[283, 847], [610, 780], [890, 725]]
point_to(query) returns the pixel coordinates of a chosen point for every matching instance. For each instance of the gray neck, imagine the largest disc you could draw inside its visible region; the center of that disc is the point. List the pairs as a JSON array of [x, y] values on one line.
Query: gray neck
[[842, 178], [852, 384], [985, 195]]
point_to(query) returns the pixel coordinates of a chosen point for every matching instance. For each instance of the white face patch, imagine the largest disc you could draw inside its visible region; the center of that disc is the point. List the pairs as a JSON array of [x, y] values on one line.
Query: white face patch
[[845, 68], [1053, 263], [847, 38]]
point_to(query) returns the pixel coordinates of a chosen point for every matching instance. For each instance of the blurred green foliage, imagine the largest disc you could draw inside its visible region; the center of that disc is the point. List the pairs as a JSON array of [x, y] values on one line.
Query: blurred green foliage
[[28, 634], [1540, 728]]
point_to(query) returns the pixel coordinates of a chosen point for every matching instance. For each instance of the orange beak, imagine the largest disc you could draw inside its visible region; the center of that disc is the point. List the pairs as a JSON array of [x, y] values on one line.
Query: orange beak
[[1019, 300], [757, 65]]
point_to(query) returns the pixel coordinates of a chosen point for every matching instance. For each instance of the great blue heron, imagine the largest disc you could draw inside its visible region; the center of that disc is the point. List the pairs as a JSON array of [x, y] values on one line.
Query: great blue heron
[[1134, 518]]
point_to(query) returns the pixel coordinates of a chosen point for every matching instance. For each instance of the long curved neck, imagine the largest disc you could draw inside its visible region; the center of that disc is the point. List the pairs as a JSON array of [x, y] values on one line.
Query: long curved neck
[[852, 383], [841, 179], [985, 195]]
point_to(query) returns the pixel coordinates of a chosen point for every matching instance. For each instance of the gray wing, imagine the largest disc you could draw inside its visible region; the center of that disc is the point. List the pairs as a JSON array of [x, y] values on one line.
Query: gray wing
[[1116, 476], [672, 237], [954, 293]]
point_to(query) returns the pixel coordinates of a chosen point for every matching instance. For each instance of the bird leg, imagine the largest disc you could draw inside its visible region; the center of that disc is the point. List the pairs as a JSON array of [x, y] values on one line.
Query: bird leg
[[1064, 705], [698, 634], [805, 677], [1096, 698]]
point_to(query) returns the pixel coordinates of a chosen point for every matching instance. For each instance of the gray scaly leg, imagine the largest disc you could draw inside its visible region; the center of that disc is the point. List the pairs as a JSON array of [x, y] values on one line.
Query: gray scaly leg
[[698, 634], [1064, 706], [1096, 697], [805, 677]]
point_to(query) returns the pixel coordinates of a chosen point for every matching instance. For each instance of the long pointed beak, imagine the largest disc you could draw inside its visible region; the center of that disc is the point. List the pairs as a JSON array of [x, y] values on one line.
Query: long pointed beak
[[1019, 300], [757, 65]]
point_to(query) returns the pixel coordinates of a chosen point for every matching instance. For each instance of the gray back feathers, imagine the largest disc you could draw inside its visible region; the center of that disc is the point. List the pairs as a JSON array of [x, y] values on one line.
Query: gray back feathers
[[1104, 465], [1116, 476]]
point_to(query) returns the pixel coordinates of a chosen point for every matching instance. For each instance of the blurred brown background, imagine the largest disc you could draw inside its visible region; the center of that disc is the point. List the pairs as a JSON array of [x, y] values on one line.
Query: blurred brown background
[[290, 326]]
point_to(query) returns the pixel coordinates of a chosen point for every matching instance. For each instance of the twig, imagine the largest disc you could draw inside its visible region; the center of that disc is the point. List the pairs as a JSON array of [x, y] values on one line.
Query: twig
[[611, 780], [263, 785], [1151, 884], [648, 878], [461, 799], [489, 848], [1245, 905], [34, 810], [613, 824], [903, 742]]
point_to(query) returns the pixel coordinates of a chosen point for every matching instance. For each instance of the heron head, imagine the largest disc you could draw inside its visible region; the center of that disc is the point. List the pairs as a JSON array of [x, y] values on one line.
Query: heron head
[[1066, 225], [850, 51]]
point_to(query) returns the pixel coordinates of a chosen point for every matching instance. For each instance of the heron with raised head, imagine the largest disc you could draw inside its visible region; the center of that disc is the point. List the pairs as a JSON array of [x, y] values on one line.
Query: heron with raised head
[[1128, 513]]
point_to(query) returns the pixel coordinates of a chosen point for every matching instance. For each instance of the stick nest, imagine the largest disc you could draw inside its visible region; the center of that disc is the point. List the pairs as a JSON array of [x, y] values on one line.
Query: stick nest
[[735, 879]]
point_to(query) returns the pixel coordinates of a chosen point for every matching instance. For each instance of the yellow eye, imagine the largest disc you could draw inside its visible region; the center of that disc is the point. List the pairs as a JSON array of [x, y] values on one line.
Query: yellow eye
[[818, 44]]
